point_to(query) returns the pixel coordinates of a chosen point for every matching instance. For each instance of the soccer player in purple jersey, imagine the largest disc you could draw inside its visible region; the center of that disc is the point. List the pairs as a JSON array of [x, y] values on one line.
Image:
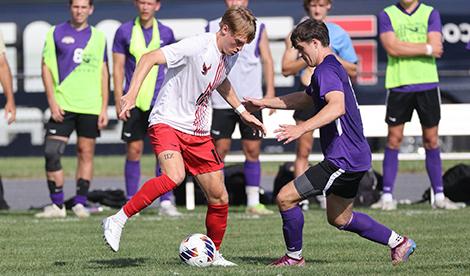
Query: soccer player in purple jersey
[[410, 33], [6, 80], [75, 77], [126, 52], [347, 153]]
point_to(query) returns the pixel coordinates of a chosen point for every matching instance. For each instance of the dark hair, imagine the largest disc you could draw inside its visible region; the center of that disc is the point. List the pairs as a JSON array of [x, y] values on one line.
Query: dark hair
[[308, 2], [90, 2], [309, 30]]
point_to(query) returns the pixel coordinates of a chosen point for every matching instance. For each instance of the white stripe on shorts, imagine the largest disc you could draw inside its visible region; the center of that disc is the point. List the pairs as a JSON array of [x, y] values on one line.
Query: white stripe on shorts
[[332, 179]]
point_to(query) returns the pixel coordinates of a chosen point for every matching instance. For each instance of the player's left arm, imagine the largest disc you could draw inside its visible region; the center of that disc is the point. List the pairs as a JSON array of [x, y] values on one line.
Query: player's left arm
[[334, 109], [6, 81], [103, 117], [434, 36], [227, 92], [347, 55]]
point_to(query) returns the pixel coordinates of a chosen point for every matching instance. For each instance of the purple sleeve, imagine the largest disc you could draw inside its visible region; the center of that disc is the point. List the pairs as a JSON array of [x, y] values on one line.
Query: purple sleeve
[[434, 22], [385, 25], [468, 46], [119, 44], [328, 80]]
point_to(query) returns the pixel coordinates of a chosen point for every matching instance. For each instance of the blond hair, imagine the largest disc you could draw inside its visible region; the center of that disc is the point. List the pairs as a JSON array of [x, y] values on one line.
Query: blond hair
[[240, 21]]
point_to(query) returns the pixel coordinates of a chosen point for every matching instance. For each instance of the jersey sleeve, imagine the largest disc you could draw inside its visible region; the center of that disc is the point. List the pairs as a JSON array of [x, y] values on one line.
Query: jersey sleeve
[[178, 53], [328, 80], [385, 24], [346, 49], [119, 43], [434, 22]]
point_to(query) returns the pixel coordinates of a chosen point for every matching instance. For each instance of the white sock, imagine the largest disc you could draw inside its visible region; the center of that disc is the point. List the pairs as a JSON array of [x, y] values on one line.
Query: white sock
[[439, 196], [121, 217], [165, 203], [295, 254], [394, 240], [252, 195], [387, 197]]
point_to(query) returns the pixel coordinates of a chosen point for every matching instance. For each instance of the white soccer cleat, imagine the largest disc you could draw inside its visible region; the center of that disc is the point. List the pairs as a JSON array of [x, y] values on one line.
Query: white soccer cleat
[[52, 211], [167, 209], [221, 261], [386, 205], [112, 230], [447, 204], [80, 211]]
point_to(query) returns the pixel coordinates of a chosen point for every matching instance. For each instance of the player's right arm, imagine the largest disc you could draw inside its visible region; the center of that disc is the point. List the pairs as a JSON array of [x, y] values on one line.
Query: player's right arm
[[7, 85], [145, 64], [57, 113], [296, 100], [291, 64], [118, 79], [397, 48]]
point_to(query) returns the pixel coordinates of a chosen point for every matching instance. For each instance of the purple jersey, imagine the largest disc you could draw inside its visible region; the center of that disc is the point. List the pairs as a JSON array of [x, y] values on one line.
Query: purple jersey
[[468, 46], [122, 41], [69, 44], [434, 25], [342, 141]]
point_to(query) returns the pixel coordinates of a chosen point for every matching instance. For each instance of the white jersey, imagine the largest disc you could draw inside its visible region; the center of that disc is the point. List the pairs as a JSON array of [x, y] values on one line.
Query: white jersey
[[196, 68], [246, 74]]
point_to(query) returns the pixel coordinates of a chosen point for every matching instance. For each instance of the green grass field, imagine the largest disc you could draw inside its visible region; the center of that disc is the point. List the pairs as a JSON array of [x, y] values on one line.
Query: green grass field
[[33, 167], [150, 244]]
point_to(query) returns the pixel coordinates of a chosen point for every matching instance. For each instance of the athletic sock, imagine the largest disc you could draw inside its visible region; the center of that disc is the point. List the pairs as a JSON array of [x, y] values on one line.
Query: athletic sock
[[82, 191], [121, 217], [368, 228], [390, 168], [295, 254], [56, 194], [216, 222], [292, 227], [252, 172], [434, 169], [394, 240], [150, 191], [131, 177]]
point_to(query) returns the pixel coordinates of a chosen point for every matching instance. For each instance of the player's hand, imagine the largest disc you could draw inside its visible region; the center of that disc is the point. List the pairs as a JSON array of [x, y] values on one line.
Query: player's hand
[[10, 112], [103, 119], [127, 104], [253, 122], [437, 49], [57, 113], [252, 104], [288, 133], [118, 109]]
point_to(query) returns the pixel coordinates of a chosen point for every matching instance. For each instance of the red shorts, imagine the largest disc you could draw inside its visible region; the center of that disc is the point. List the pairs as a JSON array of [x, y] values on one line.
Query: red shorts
[[199, 154]]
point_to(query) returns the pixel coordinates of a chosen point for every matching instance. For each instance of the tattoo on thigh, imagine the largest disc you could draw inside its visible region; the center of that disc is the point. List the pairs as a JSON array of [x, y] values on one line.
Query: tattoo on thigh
[[167, 156]]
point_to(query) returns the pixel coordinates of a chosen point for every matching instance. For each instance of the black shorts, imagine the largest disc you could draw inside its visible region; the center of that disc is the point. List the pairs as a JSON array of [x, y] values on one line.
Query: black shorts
[[136, 126], [304, 114], [326, 178], [86, 125], [400, 106], [224, 121]]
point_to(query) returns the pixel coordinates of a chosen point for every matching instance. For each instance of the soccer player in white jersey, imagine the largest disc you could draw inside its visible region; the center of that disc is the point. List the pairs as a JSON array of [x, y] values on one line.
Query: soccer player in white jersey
[[180, 120], [254, 62]]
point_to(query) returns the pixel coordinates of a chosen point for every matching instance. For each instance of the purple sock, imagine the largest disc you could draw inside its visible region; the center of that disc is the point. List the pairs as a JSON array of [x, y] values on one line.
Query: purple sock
[[292, 226], [368, 228], [57, 198], [165, 196], [434, 168], [390, 168], [252, 171], [80, 199], [132, 177]]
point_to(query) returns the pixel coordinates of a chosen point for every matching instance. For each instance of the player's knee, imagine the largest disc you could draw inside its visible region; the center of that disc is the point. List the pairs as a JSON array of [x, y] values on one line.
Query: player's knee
[[338, 222], [431, 142], [176, 176], [218, 196], [283, 201], [53, 150]]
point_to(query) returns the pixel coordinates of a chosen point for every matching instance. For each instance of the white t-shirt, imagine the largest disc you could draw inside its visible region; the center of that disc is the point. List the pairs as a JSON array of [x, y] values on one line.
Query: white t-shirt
[[246, 74], [196, 68]]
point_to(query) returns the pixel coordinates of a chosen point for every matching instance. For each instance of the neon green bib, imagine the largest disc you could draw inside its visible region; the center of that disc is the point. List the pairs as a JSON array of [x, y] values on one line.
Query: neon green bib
[[80, 91], [410, 28], [138, 48]]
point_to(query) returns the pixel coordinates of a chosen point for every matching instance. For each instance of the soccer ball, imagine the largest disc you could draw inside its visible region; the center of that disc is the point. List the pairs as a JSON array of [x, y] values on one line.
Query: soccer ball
[[197, 250]]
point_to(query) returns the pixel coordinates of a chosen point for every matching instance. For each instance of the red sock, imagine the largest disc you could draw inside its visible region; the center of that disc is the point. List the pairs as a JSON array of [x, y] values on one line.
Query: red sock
[[150, 191], [216, 222]]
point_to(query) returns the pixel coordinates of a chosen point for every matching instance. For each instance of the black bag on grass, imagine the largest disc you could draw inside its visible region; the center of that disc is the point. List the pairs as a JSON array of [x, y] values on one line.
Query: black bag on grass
[[457, 183]]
